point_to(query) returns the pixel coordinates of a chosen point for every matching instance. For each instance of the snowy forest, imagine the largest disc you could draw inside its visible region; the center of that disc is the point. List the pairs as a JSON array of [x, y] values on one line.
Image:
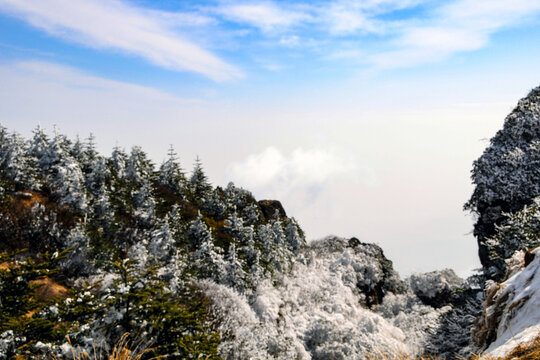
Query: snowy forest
[[99, 250]]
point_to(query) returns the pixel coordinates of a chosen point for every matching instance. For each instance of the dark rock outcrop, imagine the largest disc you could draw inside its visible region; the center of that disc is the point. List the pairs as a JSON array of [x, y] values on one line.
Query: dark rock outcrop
[[436, 288], [506, 176], [269, 209], [374, 273]]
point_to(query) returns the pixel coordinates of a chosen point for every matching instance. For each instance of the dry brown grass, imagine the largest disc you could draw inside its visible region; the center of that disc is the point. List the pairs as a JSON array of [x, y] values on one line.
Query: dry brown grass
[[121, 351], [526, 351], [30, 199], [400, 357], [5, 266], [382, 356], [49, 289]]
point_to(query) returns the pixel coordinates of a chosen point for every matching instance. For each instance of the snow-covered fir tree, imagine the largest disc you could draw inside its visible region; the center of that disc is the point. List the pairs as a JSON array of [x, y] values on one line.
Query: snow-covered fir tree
[[171, 175], [199, 186], [139, 168]]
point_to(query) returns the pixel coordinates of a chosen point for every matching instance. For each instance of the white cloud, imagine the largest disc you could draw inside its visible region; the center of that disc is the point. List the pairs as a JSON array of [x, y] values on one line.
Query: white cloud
[[73, 78], [290, 41], [298, 178], [266, 16], [432, 33], [337, 17], [463, 25], [114, 24], [349, 16]]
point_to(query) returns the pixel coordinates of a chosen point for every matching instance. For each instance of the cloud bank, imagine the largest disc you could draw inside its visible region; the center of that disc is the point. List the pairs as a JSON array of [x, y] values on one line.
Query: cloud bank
[[298, 178]]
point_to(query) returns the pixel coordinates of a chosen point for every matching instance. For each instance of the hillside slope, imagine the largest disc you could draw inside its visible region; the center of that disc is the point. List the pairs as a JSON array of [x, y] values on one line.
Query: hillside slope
[[93, 247]]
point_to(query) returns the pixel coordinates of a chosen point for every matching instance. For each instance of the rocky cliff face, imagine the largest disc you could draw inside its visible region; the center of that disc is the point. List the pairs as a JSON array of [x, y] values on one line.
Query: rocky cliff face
[[506, 200], [506, 177]]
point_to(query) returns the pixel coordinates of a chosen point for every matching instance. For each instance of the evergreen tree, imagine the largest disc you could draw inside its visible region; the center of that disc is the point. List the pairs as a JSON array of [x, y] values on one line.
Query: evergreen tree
[[98, 177], [139, 168], [209, 262], [519, 231], [63, 173], [293, 236], [16, 164], [235, 275], [85, 153], [144, 205], [214, 205], [137, 303], [165, 255], [77, 151], [177, 226], [20, 306], [238, 197], [251, 214], [162, 245], [234, 226], [199, 186], [118, 163], [39, 150], [250, 252], [276, 252], [78, 244], [90, 152], [197, 232], [171, 174]]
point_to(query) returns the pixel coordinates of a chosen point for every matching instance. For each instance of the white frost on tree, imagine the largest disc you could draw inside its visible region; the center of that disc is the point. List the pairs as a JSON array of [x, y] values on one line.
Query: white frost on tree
[[139, 168], [235, 275], [144, 204], [208, 258], [316, 312], [171, 174], [199, 186], [77, 260]]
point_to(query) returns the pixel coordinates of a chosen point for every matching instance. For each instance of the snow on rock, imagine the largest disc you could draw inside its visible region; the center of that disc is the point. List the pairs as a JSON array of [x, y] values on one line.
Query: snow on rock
[[319, 310], [506, 178], [435, 288], [512, 311], [417, 321]]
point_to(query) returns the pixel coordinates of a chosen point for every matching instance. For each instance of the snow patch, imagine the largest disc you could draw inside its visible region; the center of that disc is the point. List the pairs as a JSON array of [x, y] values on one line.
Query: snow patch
[[520, 318]]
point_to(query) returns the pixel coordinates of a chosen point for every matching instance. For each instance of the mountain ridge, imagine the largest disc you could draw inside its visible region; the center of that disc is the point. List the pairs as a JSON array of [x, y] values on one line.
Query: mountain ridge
[[94, 247]]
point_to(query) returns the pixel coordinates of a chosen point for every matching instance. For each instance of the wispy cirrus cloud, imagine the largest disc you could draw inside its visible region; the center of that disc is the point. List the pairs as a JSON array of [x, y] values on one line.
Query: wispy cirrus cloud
[[424, 31], [267, 16], [381, 34], [118, 25], [72, 79], [463, 25], [344, 17]]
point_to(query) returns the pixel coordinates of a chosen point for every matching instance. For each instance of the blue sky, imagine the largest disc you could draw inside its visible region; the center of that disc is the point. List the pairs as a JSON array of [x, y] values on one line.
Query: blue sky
[[363, 117]]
